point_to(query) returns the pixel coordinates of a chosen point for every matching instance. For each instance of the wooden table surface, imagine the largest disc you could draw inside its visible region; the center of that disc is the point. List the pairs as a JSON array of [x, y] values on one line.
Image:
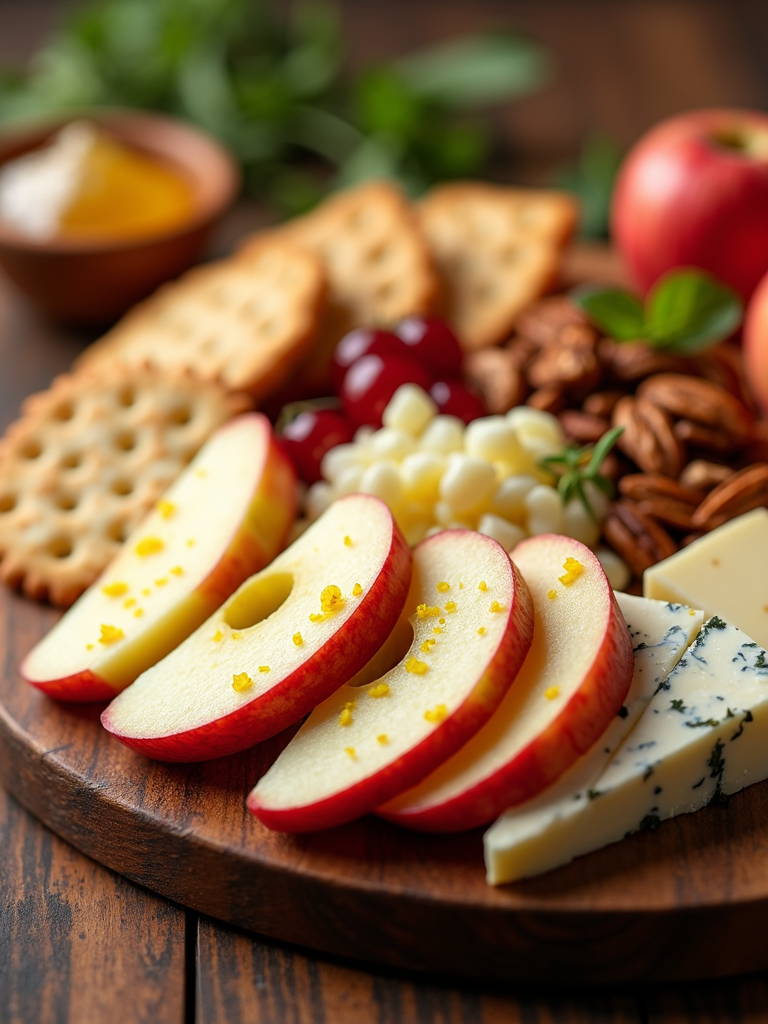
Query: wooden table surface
[[79, 944]]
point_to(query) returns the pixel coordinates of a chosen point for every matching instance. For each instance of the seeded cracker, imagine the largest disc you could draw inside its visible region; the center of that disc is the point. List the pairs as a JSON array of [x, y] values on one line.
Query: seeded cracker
[[86, 461], [245, 321], [497, 250], [377, 263]]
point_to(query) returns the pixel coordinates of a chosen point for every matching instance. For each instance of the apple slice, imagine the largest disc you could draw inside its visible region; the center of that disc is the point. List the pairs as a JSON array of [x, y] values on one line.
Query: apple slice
[[470, 618], [224, 518], [288, 638], [574, 681]]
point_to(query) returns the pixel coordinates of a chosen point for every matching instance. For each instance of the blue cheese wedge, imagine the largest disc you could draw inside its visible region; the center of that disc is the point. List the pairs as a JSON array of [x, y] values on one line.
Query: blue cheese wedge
[[702, 737], [536, 835]]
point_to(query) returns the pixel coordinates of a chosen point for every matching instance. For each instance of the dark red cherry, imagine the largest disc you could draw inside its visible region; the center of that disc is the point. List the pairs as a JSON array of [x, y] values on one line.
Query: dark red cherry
[[371, 381], [310, 435], [361, 342], [433, 343], [453, 398]]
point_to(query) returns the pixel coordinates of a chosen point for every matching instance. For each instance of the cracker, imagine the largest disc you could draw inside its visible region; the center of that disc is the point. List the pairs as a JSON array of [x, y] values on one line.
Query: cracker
[[497, 250], [86, 461], [376, 260], [246, 322]]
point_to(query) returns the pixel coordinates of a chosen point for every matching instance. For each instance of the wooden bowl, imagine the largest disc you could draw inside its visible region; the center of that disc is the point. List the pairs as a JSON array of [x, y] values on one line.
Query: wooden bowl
[[95, 281]]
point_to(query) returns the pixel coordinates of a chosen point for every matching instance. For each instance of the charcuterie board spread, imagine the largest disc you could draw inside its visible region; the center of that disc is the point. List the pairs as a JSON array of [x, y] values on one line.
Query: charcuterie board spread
[[295, 707]]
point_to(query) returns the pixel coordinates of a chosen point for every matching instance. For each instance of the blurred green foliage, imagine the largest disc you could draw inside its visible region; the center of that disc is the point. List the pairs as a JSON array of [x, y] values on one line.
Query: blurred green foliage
[[275, 87], [592, 178]]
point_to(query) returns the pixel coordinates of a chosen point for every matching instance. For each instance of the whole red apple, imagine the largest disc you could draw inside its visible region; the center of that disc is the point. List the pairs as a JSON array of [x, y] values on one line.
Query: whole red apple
[[694, 192]]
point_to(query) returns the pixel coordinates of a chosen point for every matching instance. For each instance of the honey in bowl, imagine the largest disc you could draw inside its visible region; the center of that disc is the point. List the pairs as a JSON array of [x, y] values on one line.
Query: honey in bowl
[[86, 186]]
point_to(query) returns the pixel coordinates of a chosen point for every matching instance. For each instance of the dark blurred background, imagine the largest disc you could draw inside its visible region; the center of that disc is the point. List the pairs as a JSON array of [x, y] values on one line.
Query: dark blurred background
[[595, 76], [618, 66]]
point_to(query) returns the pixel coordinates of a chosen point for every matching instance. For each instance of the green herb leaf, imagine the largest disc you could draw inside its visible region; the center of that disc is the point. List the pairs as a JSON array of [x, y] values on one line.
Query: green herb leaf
[[477, 70], [592, 178], [617, 312], [573, 467], [688, 310]]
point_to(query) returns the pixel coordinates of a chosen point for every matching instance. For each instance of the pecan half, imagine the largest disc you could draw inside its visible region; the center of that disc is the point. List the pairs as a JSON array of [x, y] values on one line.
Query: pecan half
[[543, 321], [637, 537], [549, 399], [570, 361], [631, 360], [640, 486], [494, 374], [521, 351], [602, 403], [581, 427], [724, 364], [699, 401], [703, 476], [648, 437], [665, 500], [718, 442], [741, 492]]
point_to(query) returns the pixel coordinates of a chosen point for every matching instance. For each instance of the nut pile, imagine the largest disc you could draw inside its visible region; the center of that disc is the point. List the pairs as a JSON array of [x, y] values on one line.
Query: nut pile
[[692, 454]]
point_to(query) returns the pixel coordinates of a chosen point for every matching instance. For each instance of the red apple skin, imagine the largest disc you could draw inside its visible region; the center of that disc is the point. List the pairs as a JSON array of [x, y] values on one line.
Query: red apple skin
[[328, 668], [422, 759], [260, 537], [683, 199], [581, 722], [81, 687], [755, 340]]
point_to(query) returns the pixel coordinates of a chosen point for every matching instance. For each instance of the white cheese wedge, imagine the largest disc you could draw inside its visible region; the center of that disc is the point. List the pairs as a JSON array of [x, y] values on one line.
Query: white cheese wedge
[[725, 573], [703, 736], [535, 836]]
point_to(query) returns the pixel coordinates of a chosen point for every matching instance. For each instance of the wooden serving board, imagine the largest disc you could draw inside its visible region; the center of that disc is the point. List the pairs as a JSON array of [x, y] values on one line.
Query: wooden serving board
[[687, 901]]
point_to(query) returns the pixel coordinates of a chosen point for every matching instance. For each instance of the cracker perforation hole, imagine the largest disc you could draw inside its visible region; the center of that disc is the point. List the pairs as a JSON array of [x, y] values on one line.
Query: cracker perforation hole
[[72, 461], [7, 502], [64, 412], [116, 531], [31, 450], [181, 415], [122, 487], [125, 441], [126, 397], [60, 547], [66, 502]]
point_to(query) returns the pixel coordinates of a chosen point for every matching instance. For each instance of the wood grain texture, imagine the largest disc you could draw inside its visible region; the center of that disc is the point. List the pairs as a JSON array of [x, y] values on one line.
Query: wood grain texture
[[744, 1000], [79, 945], [252, 981]]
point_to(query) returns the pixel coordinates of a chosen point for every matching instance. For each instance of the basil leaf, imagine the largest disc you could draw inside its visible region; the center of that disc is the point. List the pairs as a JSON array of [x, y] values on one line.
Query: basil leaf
[[688, 310], [477, 70], [617, 312]]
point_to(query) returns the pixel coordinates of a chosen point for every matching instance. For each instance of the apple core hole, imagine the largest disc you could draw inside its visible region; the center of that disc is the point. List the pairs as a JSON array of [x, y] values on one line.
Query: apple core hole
[[258, 600]]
